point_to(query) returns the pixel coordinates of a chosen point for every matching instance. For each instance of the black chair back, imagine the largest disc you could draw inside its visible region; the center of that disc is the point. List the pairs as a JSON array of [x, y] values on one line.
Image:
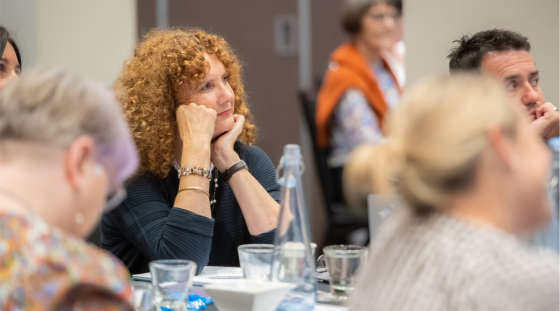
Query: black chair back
[[308, 103], [343, 223]]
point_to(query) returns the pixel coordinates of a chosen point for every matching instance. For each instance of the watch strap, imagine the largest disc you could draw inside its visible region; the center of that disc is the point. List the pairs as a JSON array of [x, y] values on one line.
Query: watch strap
[[234, 169]]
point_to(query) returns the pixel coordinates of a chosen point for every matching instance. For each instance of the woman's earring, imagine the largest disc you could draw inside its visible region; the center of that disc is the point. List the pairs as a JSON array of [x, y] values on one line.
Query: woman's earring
[[79, 218]]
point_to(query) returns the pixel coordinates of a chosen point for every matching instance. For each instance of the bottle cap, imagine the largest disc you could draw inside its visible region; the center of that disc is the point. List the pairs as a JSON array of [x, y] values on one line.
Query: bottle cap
[[292, 154], [292, 150]]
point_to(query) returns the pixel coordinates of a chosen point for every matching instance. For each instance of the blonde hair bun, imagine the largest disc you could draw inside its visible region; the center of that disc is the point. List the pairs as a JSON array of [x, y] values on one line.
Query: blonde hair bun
[[434, 141]]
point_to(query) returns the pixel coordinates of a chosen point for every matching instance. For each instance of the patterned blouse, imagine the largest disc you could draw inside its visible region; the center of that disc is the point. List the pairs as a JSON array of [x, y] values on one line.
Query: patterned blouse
[[39, 264], [355, 123], [443, 263]]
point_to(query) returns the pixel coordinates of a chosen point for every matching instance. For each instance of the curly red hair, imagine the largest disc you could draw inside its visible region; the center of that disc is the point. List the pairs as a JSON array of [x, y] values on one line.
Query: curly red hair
[[150, 82]]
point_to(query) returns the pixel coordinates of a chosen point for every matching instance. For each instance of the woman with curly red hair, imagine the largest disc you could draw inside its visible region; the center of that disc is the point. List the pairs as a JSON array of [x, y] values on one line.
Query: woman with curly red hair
[[201, 189]]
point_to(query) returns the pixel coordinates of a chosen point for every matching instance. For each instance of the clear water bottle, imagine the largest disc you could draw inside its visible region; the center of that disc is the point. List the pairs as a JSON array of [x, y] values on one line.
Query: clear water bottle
[[293, 261]]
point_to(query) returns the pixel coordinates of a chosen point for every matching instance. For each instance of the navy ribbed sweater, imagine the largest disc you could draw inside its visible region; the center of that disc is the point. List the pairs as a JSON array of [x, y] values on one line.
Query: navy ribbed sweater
[[147, 227]]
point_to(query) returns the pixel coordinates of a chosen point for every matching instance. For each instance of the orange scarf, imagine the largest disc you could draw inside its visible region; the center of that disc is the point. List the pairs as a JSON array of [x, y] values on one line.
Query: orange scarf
[[348, 69]]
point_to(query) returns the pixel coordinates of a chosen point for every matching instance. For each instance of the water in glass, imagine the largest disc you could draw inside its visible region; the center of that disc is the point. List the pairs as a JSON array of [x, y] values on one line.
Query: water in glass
[[142, 296], [255, 260], [172, 280], [342, 263]]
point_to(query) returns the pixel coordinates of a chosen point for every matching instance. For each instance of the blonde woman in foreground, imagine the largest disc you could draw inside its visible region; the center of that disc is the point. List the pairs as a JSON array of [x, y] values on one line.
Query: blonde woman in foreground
[[472, 174]]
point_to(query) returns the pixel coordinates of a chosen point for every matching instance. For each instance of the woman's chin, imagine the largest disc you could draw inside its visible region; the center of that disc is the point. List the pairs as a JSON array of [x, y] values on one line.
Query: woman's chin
[[223, 126]]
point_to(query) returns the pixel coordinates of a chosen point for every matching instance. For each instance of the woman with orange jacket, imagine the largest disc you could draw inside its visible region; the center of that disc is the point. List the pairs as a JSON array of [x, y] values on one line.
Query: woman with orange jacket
[[359, 87]]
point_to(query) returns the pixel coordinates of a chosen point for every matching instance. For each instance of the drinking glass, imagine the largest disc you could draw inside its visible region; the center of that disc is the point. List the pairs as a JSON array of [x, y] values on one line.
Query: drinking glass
[[255, 260], [342, 262], [172, 280], [142, 295]]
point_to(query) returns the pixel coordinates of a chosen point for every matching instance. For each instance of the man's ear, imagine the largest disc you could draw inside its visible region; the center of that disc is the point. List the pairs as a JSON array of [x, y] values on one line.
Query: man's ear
[[503, 148], [78, 159]]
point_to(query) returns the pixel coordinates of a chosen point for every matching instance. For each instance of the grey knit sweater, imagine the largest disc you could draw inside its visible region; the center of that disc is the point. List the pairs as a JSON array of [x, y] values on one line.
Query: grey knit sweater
[[442, 263]]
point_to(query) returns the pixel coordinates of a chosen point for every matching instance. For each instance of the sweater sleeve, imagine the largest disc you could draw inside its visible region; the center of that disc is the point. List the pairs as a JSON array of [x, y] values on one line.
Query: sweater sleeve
[[261, 167], [160, 232], [264, 238]]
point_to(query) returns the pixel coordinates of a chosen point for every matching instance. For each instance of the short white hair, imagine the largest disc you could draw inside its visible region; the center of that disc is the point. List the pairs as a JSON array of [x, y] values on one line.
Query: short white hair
[[54, 107]]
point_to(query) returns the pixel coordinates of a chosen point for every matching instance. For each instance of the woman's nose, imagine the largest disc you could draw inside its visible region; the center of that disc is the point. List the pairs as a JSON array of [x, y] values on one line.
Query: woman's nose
[[226, 94], [389, 22]]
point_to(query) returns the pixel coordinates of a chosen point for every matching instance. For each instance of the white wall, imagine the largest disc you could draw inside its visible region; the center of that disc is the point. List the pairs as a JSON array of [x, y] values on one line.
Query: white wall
[[430, 26], [91, 37], [20, 19]]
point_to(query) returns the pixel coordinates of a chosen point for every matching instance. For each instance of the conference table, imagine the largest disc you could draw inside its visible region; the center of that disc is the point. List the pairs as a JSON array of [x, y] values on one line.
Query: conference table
[[321, 305]]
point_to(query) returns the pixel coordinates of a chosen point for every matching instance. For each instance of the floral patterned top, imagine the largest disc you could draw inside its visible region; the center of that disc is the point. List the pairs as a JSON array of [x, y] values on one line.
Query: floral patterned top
[[39, 264], [355, 122]]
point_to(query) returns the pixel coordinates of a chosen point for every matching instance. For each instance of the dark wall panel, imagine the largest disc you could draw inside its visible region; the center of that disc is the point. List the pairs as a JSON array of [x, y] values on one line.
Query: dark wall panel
[[327, 34], [146, 16], [270, 81]]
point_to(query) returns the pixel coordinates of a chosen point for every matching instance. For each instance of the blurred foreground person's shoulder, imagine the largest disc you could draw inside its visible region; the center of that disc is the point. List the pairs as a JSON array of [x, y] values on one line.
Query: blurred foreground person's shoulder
[[469, 193], [440, 263], [86, 297], [40, 264]]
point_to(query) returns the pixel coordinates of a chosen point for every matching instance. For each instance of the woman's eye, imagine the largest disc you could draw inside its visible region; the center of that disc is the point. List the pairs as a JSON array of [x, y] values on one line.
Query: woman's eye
[[205, 87], [2, 67], [225, 79]]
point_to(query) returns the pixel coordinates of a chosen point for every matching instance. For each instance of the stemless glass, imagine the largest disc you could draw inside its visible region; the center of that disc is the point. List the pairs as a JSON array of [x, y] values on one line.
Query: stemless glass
[[142, 295], [172, 280], [342, 262], [255, 260]]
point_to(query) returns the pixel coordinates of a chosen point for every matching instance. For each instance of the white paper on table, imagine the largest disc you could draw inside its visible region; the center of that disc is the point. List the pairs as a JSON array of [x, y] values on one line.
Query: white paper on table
[[325, 307], [209, 275]]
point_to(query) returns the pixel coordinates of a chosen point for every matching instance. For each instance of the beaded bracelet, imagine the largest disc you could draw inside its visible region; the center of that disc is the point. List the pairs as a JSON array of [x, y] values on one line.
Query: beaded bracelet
[[200, 171]]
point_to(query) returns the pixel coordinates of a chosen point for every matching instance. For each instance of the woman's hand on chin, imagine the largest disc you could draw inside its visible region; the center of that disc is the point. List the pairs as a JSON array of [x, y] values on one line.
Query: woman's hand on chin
[[196, 124], [223, 156]]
